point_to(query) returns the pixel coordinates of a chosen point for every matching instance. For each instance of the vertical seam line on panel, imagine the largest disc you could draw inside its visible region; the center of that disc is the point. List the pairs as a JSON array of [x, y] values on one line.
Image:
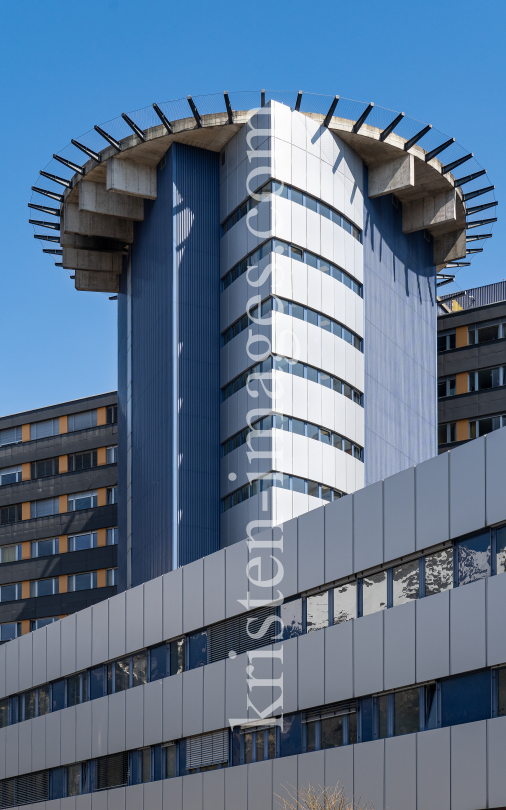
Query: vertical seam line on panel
[[175, 351]]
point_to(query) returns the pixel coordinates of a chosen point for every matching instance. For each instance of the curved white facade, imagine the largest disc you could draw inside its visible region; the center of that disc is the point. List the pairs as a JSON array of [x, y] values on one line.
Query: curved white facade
[[296, 151]]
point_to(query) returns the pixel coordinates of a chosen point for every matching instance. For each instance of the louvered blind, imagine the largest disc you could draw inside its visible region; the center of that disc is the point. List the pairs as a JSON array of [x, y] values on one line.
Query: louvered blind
[[83, 420], [7, 793], [232, 634], [10, 435], [44, 507], [112, 771], [49, 427], [34, 787], [207, 749], [331, 710]]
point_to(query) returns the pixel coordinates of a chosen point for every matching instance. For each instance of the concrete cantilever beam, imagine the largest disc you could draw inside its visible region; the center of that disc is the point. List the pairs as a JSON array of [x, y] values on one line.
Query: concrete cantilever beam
[[98, 212]]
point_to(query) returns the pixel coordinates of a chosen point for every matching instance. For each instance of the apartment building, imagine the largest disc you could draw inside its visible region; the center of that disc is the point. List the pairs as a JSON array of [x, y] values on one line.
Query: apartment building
[[58, 512], [471, 364]]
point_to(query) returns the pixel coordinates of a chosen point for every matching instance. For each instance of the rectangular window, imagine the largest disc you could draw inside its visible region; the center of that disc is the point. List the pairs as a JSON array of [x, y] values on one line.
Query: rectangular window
[[112, 495], [139, 668], [500, 541], [332, 732], [82, 461], [501, 691], [30, 705], [58, 695], [447, 433], [10, 593], [82, 582], [405, 582], [76, 689], [474, 558], [382, 703], [439, 571], [158, 662], [345, 602], [43, 699], [11, 435], [10, 514], [44, 587], [36, 624], [466, 698], [111, 577], [197, 649], [112, 414], [45, 548], [374, 593], [10, 553], [291, 735], [40, 430], [81, 542], [44, 469], [317, 608], [291, 617], [112, 537], [81, 500], [10, 475], [82, 421], [44, 508], [406, 711], [97, 682], [111, 455], [177, 656]]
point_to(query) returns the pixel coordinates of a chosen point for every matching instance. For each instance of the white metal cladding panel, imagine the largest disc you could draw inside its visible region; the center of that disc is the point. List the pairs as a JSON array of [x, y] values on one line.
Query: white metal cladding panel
[[100, 725], [235, 573], [53, 739], [495, 612], [236, 789], [83, 638], [53, 650], [83, 738], [135, 618], [193, 701], [400, 654], [368, 526], [25, 748], [192, 792], [214, 696], [400, 772], [117, 626], [236, 687], [496, 745], [433, 637], [495, 454], [68, 735], [311, 769], [172, 708], [193, 595], [339, 769], [311, 669], [467, 627], [469, 766], [284, 774], [68, 645], [214, 587], [173, 794], [99, 632], [213, 791], [399, 518], [134, 718], [12, 668], [338, 662], [173, 603], [432, 501], [370, 772], [3, 682], [433, 769], [153, 611], [311, 545], [368, 654], [152, 713], [116, 738], [260, 785], [467, 487]]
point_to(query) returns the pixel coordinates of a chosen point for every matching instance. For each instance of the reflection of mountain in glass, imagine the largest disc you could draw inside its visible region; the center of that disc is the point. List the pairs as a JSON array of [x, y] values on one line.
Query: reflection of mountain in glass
[[345, 602], [474, 558], [405, 582], [439, 571]]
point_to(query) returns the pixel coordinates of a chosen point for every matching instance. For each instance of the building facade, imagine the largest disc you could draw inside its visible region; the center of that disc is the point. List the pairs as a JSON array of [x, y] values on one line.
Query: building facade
[[58, 512], [471, 364], [383, 670], [275, 265]]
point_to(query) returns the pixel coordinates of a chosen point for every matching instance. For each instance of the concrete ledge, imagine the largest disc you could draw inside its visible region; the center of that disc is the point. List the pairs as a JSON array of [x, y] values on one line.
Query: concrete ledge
[[93, 260], [392, 176], [450, 246], [95, 198], [93, 281], [435, 209], [129, 177], [86, 223]]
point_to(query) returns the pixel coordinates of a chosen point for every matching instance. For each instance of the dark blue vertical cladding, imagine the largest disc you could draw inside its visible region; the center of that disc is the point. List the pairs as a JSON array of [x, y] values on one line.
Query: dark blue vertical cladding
[[400, 342], [122, 430], [179, 234], [196, 179]]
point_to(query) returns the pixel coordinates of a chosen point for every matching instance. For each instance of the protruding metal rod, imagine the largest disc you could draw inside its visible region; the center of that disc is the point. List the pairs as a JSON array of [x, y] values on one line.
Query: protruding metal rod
[[390, 128], [133, 126], [477, 236], [52, 194], [330, 113], [56, 179], [108, 137], [46, 238], [58, 264], [113, 298], [472, 194], [469, 177], [438, 149], [262, 98], [475, 209], [55, 212], [165, 121], [53, 251], [417, 137], [478, 222], [89, 152], [195, 112], [451, 166], [448, 280], [230, 112], [55, 226], [69, 164], [298, 102], [458, 264], [361, 120], [470, 251]]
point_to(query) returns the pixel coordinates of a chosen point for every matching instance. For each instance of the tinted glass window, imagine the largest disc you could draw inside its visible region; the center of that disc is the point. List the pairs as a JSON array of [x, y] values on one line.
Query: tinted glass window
[[317, 607], [177, 662], [58, 696], [501, 550], [501, 692], [366, 714], [158, 662], [57, 783], [332, 732], [97, 684], [291, 616], [474, 558], [466, 698], [198, 649], [405, 582], [407, 711], [439, 571], [291, 735], [345, 602], [374, 593]]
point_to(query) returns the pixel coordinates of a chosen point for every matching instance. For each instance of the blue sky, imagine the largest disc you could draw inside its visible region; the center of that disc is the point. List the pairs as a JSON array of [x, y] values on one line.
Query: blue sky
[[67, 66]]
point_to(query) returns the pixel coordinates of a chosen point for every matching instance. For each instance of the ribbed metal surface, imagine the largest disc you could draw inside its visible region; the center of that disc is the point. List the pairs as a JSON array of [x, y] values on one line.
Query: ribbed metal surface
[[112, 771], [176, 247], [400, 343], [331, 710], [207, 749], [26, 789], [475, 297], [237, 634]]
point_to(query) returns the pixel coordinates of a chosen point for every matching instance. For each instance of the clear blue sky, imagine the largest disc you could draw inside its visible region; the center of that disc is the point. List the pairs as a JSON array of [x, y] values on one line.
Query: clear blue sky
[[66, 66]]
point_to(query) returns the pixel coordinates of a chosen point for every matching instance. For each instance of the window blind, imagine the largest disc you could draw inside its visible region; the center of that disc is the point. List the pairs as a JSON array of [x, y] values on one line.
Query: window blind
[[44, 507], [112, 771], [233, 635], [49, 427], [10, 435], [83, 420], [207, 749]]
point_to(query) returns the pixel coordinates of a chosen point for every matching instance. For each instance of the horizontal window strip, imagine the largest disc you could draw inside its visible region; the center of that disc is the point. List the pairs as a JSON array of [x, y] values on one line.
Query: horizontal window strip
[[234, 636], [294, 310], [283, 481], [297, 253], [285, 364], [290, 424], [288, 192]]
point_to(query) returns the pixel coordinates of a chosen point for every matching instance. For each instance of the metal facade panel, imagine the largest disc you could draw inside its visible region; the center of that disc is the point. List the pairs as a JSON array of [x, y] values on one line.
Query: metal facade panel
[[175, 358], [469, 765], [400, 311], [433, 769], [400, 772], [467, 490]]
